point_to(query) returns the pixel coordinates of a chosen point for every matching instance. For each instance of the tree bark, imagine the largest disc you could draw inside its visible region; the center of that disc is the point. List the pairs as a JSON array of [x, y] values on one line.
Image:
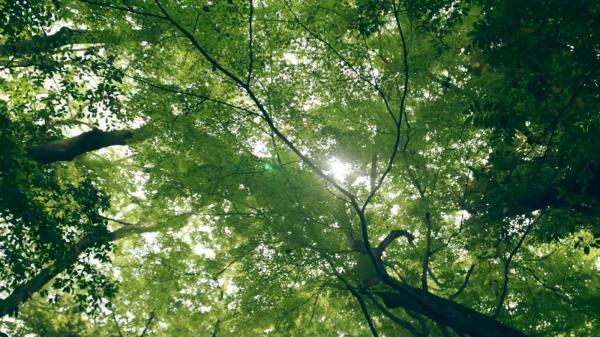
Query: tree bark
[[449, 313], [67, 149]]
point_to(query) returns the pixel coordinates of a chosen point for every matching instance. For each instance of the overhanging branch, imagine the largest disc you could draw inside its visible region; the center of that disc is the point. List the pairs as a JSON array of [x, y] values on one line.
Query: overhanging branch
[[69, 148], [393, 235]]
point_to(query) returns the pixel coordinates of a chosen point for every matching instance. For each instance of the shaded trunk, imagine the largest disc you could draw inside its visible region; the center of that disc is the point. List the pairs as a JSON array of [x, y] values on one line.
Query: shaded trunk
[[67, 149], [23, 292], [449, 313]]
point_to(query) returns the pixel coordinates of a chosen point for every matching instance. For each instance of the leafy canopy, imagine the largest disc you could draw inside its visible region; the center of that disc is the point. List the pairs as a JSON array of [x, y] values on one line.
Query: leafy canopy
[[301, 168]]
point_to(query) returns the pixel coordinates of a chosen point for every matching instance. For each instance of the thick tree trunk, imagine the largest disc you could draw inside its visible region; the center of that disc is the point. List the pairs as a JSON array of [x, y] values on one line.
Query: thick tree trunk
[[67, 149], [22, 293], [457, 316]]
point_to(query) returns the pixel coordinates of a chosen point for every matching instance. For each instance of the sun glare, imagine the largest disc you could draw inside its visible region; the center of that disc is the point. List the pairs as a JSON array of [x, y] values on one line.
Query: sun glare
[[338, 169]]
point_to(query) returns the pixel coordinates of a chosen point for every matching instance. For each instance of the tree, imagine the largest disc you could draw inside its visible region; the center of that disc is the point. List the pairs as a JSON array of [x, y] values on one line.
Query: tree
[[390, 163]]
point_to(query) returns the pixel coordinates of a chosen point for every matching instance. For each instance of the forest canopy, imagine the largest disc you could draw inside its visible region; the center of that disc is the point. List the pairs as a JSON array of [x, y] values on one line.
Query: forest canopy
[[299, 168]]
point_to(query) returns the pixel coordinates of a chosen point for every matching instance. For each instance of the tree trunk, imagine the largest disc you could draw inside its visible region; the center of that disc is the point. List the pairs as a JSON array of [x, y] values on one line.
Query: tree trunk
[[66, 36], [457, 316], [23, 292], [42, 44], [67, 149]]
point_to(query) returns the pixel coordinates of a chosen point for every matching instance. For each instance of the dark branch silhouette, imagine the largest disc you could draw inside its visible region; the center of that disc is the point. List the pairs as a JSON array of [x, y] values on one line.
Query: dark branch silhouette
[[69, 148]]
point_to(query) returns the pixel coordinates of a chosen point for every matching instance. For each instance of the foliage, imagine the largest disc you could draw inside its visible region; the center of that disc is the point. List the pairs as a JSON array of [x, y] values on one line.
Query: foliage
[[459, 136]]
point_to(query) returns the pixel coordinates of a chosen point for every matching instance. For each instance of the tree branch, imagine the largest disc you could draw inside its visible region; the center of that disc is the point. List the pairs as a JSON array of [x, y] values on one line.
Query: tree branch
[[406, 72], [427, 253], [373, 173], [69, 148], [557, 293], [434, 278], [460, 318], [364, 309], [179, 91], [464, 284], [148, 322], [405, 324], [40, 44], [250, 44], [67, 37], [507, 269], [393, 235], [23, 292], [399, 120], [116, 323]]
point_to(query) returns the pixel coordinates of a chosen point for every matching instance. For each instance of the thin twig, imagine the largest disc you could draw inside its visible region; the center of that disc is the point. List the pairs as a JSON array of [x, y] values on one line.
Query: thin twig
[[116, 323], [556, 292], [148, 322], [464, 284], [507, 268], [175, 90], [406, 71], [347, 63], [216, 328], [250, 44]]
